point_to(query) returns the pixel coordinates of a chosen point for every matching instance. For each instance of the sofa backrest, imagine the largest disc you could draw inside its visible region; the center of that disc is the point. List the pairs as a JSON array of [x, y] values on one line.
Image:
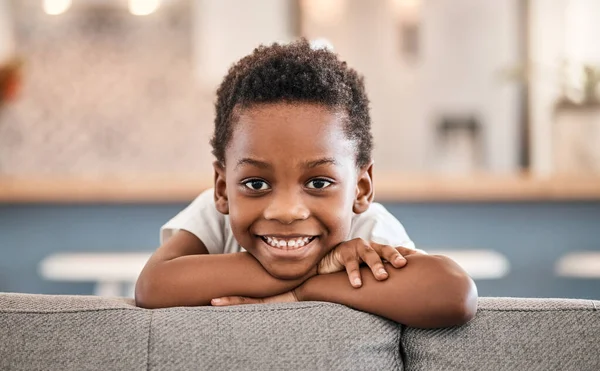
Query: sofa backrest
[[512, 334], [79, 333], [42, 332]]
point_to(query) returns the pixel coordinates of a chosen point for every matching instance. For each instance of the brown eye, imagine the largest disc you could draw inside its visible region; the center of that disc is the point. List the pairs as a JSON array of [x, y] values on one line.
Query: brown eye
[[318, 184], [257, 185]]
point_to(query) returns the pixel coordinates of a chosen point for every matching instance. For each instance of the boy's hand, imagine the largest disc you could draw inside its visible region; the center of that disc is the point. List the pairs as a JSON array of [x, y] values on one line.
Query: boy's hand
[[286, 297], [351, 253]]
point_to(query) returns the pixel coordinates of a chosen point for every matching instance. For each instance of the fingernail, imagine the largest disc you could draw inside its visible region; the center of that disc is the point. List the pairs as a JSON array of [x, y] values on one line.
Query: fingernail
[[400, 259], [216, 301], [357, 282], [382, 271]]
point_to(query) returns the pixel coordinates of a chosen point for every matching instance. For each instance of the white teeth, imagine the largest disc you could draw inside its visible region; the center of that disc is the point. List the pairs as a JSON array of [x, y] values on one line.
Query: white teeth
[[287, 244]]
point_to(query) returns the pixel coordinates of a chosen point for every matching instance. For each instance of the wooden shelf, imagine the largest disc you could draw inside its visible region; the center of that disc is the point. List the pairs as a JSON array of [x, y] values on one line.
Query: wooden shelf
[[388, 188], [155, 189], [487, 188]]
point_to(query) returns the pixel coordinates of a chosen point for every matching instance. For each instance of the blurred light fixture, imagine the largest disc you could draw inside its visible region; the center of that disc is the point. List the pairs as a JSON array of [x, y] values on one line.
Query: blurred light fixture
[[55, 7], [143, 7], [408, 18], [408, 11], [325, 12]]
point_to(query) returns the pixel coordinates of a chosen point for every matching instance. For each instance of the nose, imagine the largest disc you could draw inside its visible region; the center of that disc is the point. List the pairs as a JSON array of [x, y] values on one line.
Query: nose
[[286, 207]]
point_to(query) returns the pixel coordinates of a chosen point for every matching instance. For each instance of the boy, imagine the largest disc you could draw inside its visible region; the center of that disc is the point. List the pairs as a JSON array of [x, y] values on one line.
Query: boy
[[293, 183]]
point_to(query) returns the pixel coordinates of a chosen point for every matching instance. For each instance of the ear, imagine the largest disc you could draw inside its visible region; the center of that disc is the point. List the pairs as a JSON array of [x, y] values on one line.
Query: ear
[[364, 189], [221, 201]]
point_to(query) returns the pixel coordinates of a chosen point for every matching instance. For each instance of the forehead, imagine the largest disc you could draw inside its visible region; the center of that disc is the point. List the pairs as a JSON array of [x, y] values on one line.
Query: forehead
[[290, 134]]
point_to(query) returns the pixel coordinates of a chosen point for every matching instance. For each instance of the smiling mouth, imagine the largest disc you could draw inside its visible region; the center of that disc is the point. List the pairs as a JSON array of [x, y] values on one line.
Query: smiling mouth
[[292, 243]]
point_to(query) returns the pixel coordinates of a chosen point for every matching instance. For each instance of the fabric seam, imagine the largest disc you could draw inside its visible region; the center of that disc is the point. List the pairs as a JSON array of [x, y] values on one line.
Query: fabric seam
[[586, 309], [593, 308], [187, 309], [401, 351], [148, 345], [67, 311], [224, 309]]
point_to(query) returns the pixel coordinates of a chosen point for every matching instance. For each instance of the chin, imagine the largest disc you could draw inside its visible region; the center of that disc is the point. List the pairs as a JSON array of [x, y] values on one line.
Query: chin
[[285, 272]]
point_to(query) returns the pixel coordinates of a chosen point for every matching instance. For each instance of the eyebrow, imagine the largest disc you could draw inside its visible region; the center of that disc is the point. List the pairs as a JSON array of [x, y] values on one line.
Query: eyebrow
[[266, 165], [319, 162], [253, 162]]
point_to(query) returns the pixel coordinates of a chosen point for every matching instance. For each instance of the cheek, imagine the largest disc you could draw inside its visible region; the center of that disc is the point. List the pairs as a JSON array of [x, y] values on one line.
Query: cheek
[[336, 215], [242, 213], [341, 232]]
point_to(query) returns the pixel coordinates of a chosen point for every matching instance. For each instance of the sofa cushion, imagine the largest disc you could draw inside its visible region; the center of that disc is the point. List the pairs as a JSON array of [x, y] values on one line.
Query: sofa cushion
[[292, 336], [512, 334], [43, 332]]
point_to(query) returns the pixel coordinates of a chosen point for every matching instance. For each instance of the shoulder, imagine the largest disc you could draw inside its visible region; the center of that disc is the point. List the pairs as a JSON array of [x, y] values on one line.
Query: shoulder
[[375, 213], [200, 217], [202, 208], [204, 199], [377, 224]]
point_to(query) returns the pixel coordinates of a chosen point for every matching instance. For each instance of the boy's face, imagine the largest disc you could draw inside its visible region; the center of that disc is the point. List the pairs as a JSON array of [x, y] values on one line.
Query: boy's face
[[291, 185]]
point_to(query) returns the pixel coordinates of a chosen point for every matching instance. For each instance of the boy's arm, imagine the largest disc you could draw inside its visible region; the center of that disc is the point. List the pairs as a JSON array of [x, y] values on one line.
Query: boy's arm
[[430, 291], [181, 273]]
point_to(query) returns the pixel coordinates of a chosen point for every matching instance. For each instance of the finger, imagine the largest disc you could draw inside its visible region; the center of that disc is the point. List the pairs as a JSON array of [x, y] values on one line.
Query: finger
[[331, 263], [391, 254], [405, 251], [373, 260], [352, 268], [233, 300]]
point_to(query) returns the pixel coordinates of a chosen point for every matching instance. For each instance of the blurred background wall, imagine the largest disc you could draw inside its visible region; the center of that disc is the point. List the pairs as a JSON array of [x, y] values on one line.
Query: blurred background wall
[[101, 85], [454, 69], [485, 116]]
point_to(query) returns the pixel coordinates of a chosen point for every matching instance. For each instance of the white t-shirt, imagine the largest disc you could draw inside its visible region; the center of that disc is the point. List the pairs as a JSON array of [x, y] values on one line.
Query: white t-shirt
[[202, 219]]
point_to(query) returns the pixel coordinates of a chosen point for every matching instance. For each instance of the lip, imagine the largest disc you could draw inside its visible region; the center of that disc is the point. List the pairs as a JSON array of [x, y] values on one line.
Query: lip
[[298, 253]]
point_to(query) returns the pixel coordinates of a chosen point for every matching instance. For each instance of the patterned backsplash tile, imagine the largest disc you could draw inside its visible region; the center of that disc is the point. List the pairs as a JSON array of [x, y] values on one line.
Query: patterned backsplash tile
[[105, 93]]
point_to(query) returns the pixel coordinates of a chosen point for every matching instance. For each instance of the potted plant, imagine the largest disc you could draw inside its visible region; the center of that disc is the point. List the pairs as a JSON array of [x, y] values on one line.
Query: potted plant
[[10, 80]]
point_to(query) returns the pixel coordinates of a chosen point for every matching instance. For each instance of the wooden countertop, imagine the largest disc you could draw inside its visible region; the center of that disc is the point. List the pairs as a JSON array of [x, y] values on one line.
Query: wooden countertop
[[389, 188]]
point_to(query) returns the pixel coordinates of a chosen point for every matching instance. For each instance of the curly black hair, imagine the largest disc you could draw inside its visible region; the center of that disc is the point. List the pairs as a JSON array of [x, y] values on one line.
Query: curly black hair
[[293, 72]]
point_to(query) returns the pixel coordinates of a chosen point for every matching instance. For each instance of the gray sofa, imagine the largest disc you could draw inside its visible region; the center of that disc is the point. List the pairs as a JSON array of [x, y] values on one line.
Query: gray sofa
[[39, 332]]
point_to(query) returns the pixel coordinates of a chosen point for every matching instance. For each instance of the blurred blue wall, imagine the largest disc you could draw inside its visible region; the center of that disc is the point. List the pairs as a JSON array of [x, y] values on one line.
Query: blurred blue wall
[[531, 235]]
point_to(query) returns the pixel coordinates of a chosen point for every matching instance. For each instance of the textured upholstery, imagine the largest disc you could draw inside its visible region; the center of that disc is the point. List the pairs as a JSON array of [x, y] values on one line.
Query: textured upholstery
[[78, 333], [39, 332], [512, 334], [313, 336], [71, 333]]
